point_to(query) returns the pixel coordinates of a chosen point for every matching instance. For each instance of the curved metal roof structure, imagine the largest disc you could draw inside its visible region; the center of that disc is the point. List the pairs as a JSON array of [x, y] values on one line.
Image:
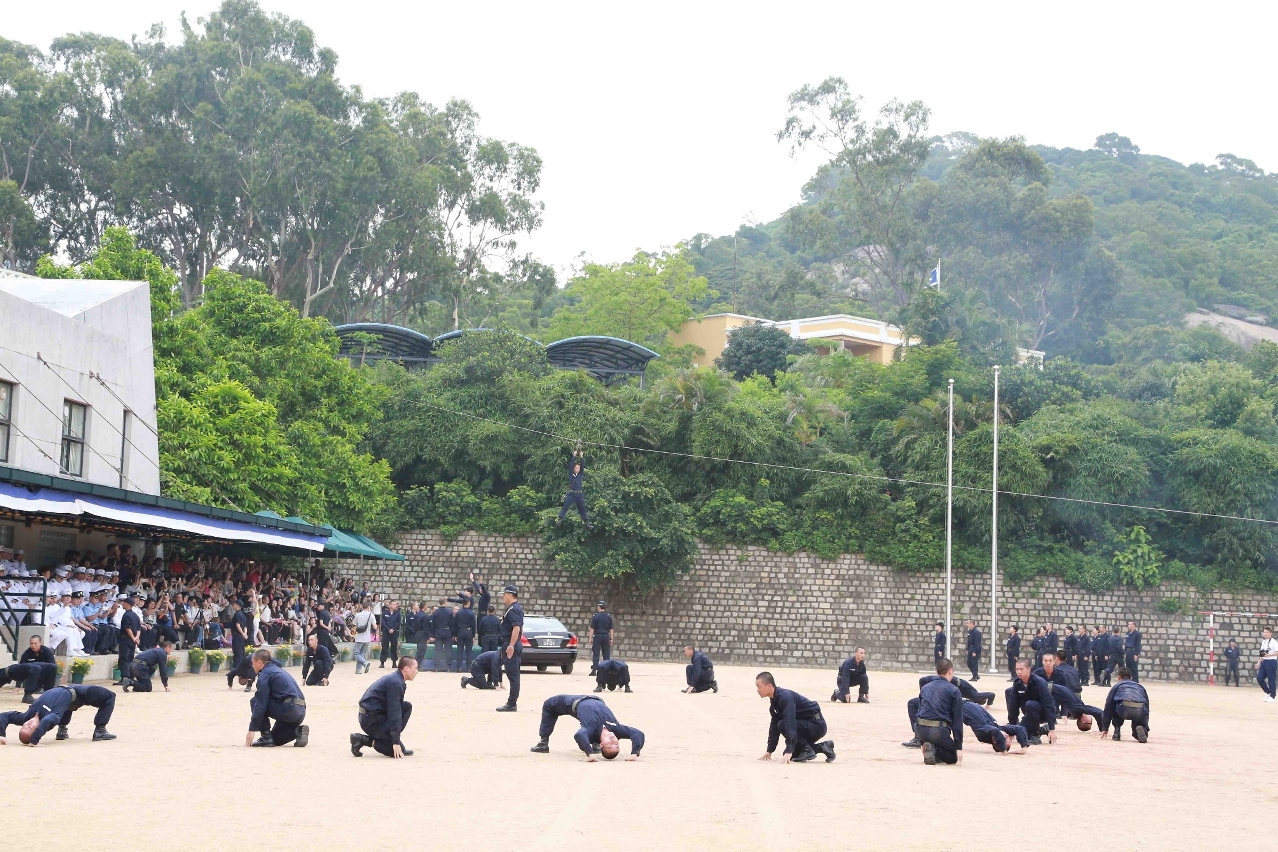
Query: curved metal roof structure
[[609, 359], [395, 343]]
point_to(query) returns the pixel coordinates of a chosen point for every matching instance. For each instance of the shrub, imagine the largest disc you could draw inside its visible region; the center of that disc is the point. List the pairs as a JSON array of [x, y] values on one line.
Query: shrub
[[195, 657], [81, 665], [218, 657], [283, 653], [1139, 562], [1172, 605]]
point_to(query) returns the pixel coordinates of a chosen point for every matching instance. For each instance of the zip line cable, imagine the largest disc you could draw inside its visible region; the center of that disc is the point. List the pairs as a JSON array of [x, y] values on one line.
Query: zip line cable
[[797, 469]]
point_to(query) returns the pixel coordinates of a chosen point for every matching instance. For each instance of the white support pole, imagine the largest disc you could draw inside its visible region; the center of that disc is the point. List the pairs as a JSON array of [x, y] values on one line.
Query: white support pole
[[1211, 652], [949, 527], [994, 541]]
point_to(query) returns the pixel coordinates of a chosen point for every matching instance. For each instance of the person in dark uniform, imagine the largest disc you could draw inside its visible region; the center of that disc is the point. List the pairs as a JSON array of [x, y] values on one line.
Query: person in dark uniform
[[489, 630], [485, 672], [601, 635], [464, 630], [1036, 645], [94, 696], [130, 633], [938, 643], [425, 633], [939, 725], [239, 632], [1051, 642], [1071, 646], [27, 674], [1013, 651], [612, 674], [700, 671], [317, 664], [1099, 646], [970, 694], [852, 673], [384, 714], [392, 626], [442, 619], [576, 495], [599, 730], [1031, 696], [512, 631], [1115, 654], [42, 671], [482, 597], [797, 719], [244, 673], [1232, 653], [1131, 651], [278, 697], [1083, 653], [974, 646], [1127, 700], [144, 667]]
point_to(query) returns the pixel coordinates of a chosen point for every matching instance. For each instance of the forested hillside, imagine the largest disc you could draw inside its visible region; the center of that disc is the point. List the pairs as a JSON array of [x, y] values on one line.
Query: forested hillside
[[264, 198]]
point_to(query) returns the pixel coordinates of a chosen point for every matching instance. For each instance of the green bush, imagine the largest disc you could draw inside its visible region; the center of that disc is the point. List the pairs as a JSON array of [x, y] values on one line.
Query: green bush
[[1173, 605]]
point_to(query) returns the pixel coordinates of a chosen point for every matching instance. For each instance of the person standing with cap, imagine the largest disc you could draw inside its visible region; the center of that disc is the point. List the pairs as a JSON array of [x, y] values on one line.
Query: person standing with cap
[[1266, 666], [939, 642], [464, 630], [601, 635], [130, 632], [1232, 654], [512, 629]]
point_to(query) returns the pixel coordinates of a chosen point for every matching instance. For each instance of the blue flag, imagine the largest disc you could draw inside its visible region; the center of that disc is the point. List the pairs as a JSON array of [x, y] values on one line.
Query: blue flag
[[935, 279]]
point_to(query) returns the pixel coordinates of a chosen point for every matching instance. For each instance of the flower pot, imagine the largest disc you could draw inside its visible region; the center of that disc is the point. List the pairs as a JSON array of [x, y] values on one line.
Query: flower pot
[[195, 667], [172, 669], [77, 677], [115, 672], [214, 666]]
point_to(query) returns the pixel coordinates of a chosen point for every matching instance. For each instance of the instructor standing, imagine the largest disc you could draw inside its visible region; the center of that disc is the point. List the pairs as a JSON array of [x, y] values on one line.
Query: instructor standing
[[974, 649], [601, 635], [512, 630]]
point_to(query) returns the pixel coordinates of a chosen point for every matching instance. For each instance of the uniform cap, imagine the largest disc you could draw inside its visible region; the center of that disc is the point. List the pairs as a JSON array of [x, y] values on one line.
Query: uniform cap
[[511, 589], [602, 604]]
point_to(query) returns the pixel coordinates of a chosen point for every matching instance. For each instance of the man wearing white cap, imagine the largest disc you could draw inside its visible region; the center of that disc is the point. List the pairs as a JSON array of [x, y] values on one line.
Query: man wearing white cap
[[62, 628], [7, 568], [20, 562], [81, 582]]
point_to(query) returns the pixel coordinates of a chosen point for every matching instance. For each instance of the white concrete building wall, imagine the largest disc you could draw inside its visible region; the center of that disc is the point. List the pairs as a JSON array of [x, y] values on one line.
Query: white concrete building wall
[[102, 328]]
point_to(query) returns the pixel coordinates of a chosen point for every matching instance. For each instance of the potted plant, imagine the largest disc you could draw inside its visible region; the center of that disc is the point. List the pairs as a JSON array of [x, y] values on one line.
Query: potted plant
[[283, 654], [195, 659], [171, 665], [345, 655], [62, 667], [374, 650], [298, 656], [115, 672], [216, 659], [79, 668]]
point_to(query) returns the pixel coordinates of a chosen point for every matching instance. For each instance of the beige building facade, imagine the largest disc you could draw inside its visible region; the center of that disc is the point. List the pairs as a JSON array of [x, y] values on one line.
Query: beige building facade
[[867, 338]]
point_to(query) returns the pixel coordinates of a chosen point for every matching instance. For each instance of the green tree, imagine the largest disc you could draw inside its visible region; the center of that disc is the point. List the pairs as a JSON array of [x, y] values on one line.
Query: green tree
[[758, 348], [640, 300], [1139, 561]]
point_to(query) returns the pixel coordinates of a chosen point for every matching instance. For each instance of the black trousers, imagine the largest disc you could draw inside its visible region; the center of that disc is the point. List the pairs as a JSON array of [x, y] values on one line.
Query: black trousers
[[141, 675], [125, 658], [1136, 715], [942, 741], [704, 682], [237, 649], [489, 643], [478, 678], [390, 647], [601, 647], [861, 682], [574, 498], [511, 667], [1011, 665], [808, 732], [314, 678], [465, 649], [286, 717], [99, 697], [1231, 671], [612, 681], [1098, 668], [443, 649], [1082, 669], [375, 727], [974, 664], [1129, 660]]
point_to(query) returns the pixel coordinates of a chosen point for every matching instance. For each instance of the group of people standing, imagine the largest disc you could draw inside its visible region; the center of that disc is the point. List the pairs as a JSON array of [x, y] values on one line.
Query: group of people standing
[[1098, 651]]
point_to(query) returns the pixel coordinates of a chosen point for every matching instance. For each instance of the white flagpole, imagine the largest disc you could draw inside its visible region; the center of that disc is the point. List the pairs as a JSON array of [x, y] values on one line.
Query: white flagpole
[[949, 523], [938, 275], [994, 541]]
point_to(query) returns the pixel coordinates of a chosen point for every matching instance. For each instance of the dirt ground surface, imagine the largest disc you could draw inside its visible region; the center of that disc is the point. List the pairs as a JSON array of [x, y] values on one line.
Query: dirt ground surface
[[1204, 780]]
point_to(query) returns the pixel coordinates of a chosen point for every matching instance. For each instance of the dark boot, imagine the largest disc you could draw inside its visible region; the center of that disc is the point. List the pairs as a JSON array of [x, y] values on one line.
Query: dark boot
[[28, 698], [597, 689], [542, 747], [507, 708], [1140, 733], [804, 756], [102, 734], [912, 743], [63, 733], [628, 689], [929, 754], [303, 736], [359, 741], [714, 685], [827, 748], [264, 741], [863, 699], [464, 682]]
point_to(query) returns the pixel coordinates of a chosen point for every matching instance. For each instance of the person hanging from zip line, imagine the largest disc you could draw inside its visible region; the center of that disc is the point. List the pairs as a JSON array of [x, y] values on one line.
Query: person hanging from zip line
[[575, 496]]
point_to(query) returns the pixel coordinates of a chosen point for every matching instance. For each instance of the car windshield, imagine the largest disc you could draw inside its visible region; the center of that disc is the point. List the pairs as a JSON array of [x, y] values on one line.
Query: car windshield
[[536, 624]]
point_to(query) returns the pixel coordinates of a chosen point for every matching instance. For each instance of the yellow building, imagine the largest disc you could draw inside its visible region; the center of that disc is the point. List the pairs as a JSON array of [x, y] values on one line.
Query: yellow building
[[872, 339]]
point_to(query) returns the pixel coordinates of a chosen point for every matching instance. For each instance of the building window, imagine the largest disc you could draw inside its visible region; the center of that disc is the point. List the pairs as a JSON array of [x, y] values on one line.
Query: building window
[[6, 537], [73, 417], [6, 413], [53, 548]]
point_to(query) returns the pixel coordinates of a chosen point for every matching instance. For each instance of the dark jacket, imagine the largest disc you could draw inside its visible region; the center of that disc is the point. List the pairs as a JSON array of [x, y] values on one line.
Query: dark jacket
[[1036, 690], [601, 623], [320, 658], [1131, 643], [1231, 655], [155, 658], [464, 623], [392, 621], [850, 671], [702, 668], [385, 700], [489, 625], [1084, 645], [274, 686], [974, 641], [938, 644], [574, 479], [1124, 690], [442, 618], [45, 656], [1014, 645], [514, 617], [940, 701], [786, 708]]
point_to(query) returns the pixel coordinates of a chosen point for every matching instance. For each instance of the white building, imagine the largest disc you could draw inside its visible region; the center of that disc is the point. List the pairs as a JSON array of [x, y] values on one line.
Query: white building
[[77, 381]]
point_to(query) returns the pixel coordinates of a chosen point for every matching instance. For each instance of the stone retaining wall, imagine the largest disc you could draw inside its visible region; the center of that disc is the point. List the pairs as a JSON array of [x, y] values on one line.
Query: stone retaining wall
[[748, 605]]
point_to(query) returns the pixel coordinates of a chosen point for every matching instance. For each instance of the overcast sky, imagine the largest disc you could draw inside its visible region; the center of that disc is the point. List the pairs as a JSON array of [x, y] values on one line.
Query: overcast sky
[[658, 120]]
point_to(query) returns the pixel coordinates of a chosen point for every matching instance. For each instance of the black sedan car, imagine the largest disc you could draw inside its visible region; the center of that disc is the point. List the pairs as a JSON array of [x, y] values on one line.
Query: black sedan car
[[548, 643]]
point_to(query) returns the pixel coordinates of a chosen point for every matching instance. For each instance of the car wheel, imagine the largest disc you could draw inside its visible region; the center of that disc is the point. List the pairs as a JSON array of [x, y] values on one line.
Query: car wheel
[[541, 667], [566, 669]]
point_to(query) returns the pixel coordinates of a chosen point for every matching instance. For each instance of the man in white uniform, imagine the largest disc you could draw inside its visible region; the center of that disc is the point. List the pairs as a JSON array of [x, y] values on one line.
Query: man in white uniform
[[62, 628], [1267, 665]]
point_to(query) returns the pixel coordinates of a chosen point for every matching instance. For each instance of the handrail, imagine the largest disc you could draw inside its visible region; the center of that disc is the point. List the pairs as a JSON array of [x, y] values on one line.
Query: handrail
[[10, 615]]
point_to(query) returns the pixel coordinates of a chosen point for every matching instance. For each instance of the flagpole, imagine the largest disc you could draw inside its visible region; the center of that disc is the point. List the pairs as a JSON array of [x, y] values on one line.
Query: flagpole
[[949, 522], [938, 275], [994, 540]]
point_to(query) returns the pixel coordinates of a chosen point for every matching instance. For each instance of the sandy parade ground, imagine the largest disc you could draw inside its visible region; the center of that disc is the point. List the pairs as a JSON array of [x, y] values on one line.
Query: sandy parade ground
[[1205, 780]]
